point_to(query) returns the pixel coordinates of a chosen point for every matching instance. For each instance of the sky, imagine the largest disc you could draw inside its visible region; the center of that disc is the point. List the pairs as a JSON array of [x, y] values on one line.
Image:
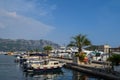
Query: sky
[[60, 20]]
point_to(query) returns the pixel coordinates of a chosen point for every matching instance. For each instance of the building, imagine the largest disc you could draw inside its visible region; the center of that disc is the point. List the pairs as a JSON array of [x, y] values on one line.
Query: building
[[104, 48], [115, 50]]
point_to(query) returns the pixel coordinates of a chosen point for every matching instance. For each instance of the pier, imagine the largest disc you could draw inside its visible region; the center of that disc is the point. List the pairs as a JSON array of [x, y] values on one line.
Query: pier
[[95, 68]]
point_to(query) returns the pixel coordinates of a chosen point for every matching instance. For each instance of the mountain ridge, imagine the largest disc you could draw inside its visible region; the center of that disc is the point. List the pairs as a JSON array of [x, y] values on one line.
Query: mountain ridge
[[25, 45]]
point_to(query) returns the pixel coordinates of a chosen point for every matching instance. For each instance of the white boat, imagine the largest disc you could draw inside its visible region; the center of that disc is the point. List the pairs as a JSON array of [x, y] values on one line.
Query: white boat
[[43, 65]]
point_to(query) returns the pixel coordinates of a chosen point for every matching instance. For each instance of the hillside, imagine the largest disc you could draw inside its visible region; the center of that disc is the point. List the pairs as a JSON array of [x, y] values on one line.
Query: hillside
[[24, 45]]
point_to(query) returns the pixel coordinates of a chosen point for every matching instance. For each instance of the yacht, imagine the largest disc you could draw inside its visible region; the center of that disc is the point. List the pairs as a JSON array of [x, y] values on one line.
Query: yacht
[[42, 65]]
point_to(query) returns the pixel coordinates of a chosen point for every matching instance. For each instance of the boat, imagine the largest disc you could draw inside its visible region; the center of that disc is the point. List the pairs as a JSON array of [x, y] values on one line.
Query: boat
[[25, 57], [43, 65]]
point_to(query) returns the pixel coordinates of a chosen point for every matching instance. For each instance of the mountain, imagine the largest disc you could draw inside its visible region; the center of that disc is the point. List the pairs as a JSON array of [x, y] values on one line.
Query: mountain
[[24, 45]]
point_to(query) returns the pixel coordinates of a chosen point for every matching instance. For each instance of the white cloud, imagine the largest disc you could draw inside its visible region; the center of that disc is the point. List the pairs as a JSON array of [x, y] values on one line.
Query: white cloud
[[13, 14], [18, 25], [23, 18], [31, 8], [2, 25], [4, 13]]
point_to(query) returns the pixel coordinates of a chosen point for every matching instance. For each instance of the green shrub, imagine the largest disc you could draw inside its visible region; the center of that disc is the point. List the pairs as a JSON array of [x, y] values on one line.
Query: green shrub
[[115, 59], [81, 55]]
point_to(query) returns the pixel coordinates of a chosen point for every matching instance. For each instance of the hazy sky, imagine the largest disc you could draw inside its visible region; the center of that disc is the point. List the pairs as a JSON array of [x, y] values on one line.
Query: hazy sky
[[59, 20]]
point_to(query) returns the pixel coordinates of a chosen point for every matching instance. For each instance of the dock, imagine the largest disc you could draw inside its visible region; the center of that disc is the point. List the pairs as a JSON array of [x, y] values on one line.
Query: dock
[[95, 69]]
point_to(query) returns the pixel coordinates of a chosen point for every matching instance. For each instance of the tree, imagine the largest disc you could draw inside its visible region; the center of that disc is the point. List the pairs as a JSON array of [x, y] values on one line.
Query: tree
[[37, 50], [80, 41], [47, 49], [115, 59]]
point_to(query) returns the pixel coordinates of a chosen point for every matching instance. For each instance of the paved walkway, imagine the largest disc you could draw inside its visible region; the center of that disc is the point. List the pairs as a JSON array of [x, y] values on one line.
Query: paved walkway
[[89, 65], [93, 68]]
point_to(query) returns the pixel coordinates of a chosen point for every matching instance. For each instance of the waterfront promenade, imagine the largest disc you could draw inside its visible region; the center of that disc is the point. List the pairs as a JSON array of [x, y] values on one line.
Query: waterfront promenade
[[87, 65], [95, 68]]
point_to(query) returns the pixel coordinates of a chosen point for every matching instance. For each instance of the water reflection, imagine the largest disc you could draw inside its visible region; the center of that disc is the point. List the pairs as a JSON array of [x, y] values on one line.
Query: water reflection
[[82, 76], [79, 76], [13, 71], [44, 75]]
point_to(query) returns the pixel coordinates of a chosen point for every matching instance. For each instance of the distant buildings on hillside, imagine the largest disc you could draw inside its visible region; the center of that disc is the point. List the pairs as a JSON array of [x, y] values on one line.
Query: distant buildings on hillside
[[104, 48], [115, 50]]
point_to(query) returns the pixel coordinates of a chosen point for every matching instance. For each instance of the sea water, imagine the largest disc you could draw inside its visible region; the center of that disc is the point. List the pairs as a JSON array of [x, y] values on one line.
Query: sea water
[[9, 70]]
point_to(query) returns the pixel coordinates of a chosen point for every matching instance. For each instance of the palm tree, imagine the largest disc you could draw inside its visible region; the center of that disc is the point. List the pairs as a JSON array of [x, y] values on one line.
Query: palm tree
[[47, 49], [80, 41]]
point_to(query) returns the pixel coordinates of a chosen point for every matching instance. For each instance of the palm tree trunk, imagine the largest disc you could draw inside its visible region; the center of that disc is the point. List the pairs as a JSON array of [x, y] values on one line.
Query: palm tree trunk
[[79, 49]]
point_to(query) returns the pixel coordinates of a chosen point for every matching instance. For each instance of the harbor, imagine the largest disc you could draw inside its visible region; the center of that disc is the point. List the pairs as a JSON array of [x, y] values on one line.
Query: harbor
[[100, 62], [95, 70], [13, 71], [59, 40]]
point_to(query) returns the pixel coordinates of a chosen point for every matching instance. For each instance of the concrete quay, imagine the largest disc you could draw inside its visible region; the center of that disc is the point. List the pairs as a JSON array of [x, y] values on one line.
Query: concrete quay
[[92, 69]]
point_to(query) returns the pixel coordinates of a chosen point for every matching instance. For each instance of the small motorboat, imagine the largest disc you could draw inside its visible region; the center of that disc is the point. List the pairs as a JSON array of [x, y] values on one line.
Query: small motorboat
[[43, 65]]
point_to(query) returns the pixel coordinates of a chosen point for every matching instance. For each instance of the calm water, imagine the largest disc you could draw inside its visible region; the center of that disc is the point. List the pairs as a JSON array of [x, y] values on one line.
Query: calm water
[[12, 71]]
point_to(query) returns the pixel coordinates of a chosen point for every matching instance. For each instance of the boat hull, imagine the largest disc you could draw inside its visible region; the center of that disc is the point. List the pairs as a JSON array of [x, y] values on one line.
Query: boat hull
[[43, 70]]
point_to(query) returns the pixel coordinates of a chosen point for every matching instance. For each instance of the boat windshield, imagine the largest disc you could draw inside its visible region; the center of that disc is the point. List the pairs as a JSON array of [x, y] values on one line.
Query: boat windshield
[[36, 62], [55, 63]]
